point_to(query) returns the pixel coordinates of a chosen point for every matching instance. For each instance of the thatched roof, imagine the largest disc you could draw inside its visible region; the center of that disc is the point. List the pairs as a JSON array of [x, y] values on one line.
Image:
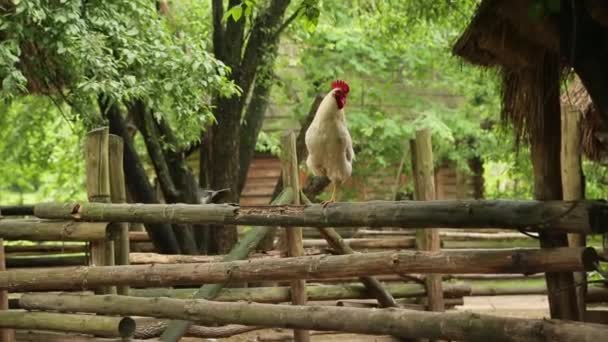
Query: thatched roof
[[525, 50], [595, 131]]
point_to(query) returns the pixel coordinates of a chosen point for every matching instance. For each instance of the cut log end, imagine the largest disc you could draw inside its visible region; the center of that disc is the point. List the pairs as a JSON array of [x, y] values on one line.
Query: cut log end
[[598, 216], [590, 258], [126, 327]]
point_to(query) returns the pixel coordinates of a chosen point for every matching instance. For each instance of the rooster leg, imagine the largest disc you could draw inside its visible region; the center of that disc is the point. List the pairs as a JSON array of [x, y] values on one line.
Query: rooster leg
[[333, 195]]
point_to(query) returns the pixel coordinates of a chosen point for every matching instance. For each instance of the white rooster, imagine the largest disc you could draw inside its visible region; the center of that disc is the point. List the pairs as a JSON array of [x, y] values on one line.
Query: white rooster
[[330, 147]]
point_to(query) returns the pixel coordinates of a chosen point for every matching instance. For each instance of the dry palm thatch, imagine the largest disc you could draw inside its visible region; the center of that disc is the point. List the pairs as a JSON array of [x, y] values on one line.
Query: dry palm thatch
[[594, 129], [525, 50]]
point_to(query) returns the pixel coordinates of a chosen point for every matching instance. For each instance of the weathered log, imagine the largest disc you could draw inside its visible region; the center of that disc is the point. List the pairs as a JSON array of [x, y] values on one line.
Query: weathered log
[[404, 303], [118, 194], [6, 335], [155, 258], [59, 247], [314, 292], [373, 286], [397, 322], [97, 162], [44, 336], [139, 236], [293, 237], [45, 230], [177, 328], [424, 184], [17, 210], [318, 267], [85, 324], [47, 260], [589, 217], [156, 329], [573, 187], [595, 294], [395, 243]]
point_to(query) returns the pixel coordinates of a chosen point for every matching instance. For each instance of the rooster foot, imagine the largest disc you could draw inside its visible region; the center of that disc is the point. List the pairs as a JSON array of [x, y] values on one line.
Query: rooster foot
[[326, 203]]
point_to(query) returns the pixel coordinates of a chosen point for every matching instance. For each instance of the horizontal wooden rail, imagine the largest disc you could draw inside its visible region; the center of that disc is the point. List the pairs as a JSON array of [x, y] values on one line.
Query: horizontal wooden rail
[[314, 292], [589, 217], [16, 210], [45, 230], [85, 324], [318, 267], [396, 322]]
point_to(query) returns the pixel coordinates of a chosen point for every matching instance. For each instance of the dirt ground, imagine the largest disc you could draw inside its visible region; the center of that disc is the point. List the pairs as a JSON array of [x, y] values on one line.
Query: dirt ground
[[530, 306]]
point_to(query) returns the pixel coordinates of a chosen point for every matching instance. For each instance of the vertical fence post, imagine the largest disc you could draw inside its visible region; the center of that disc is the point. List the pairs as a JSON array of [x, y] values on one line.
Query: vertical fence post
[[293, 236], [98, 190], [573, 187], [118, 194], [427, 239], [6, 335]]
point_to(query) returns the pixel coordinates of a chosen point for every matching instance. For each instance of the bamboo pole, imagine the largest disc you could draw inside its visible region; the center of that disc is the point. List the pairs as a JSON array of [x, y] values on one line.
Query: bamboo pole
[[77, 323], [398, 322], [313, 292], [317, 267], [97, 163], [118, 194], [177, 328], [293, 236], [556, 216], [6, 335], [427, 239], [573, 187], [45, 230]]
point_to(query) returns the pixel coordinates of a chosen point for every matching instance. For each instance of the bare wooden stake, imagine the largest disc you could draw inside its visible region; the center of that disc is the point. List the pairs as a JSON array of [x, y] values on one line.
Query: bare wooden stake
[[573, 187], [98, 190], [118, 230], [427, 239], [6, 335], [295, 247]]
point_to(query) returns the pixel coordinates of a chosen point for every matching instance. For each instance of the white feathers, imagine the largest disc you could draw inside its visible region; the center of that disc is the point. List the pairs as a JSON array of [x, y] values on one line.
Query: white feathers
[[330, 150]]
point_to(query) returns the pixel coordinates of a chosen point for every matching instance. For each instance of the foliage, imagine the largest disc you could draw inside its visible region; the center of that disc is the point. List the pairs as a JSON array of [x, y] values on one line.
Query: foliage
[[41, 152], [78, 51]]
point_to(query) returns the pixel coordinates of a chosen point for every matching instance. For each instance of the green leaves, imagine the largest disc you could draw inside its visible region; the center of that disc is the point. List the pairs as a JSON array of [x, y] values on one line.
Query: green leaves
[[237, 11]]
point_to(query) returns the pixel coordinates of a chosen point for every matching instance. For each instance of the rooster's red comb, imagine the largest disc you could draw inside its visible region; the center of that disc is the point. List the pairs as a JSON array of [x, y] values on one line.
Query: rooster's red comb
[[340, 84]]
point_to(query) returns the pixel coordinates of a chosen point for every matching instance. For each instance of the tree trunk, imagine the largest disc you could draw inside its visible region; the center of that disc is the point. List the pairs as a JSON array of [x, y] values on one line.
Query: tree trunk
[[223, 140], [545, 152], [403, 323], [162, 166]]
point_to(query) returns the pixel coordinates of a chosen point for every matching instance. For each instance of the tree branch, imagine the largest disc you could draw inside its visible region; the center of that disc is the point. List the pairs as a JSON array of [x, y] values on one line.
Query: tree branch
[[145, 123], [287, 22], [262, 36]]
